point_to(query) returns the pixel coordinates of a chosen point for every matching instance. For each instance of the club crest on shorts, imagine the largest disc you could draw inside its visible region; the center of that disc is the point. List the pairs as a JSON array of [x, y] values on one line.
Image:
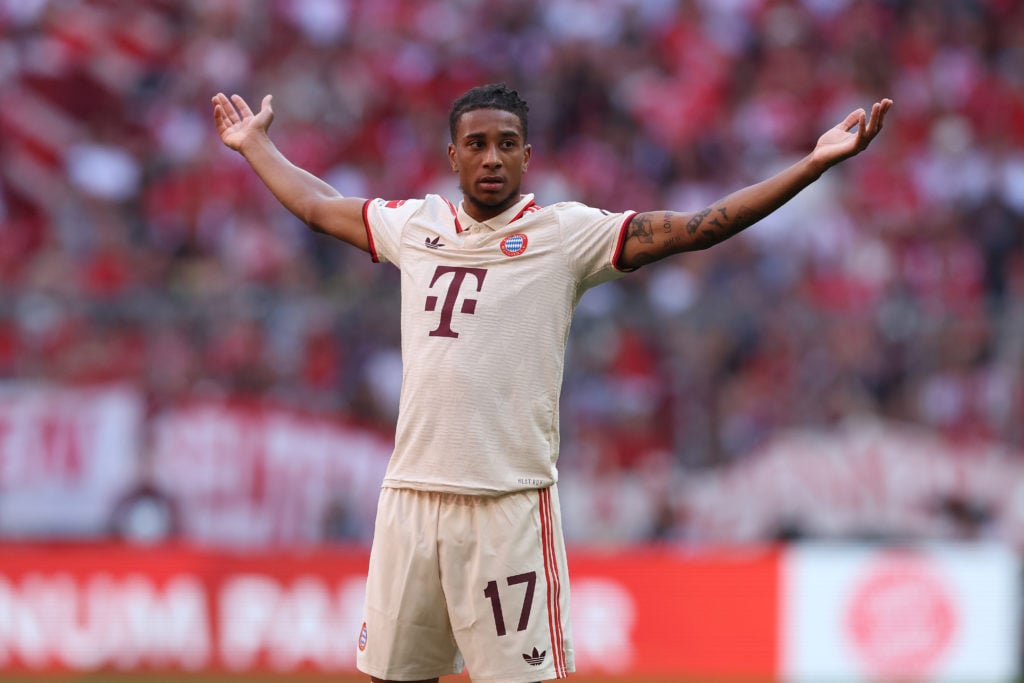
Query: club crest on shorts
[[514, 245], [362, 638]]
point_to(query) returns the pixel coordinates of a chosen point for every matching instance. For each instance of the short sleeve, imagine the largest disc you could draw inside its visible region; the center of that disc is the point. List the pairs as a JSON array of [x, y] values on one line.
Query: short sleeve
[[593, 239], [384, 221]]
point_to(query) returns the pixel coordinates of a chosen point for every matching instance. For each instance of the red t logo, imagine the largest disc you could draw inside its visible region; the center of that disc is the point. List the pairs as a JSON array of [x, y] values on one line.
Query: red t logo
[[444, 328]]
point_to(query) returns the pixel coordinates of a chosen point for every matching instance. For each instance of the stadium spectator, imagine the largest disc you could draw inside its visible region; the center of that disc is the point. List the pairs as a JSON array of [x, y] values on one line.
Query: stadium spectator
[[819, 314]]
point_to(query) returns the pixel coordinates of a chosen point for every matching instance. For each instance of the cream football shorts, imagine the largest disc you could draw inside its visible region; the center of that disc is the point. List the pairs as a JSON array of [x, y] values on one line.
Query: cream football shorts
[[467, 580]]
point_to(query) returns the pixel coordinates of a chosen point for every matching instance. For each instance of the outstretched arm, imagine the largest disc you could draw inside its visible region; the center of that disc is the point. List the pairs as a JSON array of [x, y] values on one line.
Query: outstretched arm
[[313, 201], [654, 235]]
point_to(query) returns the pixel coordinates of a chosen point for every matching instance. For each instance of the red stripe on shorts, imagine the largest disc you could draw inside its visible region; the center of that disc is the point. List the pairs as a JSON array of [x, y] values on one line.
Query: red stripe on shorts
[[553, 585]]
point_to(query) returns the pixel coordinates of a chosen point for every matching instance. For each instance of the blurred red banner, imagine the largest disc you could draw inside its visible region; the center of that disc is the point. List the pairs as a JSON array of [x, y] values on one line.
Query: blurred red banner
[[800, 612], [120, 608]]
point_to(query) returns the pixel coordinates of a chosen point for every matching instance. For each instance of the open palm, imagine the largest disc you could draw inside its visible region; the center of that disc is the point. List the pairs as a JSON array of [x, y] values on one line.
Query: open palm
[[235, 121], [842, 141]]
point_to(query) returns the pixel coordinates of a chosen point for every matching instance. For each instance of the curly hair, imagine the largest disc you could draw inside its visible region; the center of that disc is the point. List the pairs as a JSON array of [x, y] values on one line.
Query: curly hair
[[491, 96]]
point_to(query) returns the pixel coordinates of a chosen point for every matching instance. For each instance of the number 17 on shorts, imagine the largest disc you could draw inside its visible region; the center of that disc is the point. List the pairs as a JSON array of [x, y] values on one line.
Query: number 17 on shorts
[[470, 578]]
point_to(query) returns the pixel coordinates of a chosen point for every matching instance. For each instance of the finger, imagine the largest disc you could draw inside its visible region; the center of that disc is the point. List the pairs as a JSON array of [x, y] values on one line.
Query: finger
[[875, 121], [878, 111], [221, 100], [886, 105], [852, 119], [220, 117], [243, 106], [266, 103], [863, 136], [861, 124], [222, 122], [227, 110]]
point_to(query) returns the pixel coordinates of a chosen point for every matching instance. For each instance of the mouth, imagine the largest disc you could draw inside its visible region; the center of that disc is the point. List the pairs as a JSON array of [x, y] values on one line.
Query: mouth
[[491, 183]]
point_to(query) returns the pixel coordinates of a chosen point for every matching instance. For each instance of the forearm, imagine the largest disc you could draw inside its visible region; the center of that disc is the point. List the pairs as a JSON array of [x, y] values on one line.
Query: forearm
[[298, 190], [741, 209], [654, 235], [313, 201]]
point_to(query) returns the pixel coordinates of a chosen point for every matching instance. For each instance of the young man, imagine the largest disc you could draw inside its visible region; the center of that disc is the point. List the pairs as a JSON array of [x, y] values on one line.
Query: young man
[[468, 558]]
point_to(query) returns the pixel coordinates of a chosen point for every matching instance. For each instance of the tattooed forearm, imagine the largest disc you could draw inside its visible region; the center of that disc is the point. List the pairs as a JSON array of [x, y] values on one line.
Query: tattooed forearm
[[722, 226], [721, 220], [683, 232]]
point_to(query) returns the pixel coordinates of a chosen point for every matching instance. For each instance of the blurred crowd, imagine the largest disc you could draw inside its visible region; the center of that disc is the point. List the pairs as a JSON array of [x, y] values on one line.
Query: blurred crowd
[[134, 246]]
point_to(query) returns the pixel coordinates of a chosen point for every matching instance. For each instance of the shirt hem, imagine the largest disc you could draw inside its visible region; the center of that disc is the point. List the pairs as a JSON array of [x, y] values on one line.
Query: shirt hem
[[434, 487]]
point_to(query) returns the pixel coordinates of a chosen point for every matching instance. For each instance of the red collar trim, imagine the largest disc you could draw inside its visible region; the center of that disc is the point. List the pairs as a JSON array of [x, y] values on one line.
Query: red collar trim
[[530, 207], [455, 214]]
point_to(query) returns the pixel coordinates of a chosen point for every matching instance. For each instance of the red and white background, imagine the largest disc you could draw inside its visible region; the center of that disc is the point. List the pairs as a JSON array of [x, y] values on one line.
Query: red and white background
[[65, 456], [948, 613], [251, 585], [808, 613]]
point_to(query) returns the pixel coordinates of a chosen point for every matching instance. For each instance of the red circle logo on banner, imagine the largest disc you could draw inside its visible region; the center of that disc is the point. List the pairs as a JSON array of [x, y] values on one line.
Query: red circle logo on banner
[[901, 618]]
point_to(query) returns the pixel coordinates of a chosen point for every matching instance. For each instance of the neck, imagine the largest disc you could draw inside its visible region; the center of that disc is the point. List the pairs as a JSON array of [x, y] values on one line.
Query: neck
[[485, 212]]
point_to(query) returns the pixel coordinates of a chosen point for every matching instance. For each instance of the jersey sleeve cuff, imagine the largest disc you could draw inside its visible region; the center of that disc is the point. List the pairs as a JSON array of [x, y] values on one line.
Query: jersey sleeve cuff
[[369, 233], [621, 243]]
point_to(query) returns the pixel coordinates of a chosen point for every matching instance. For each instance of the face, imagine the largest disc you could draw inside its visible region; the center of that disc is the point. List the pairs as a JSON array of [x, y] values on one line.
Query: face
[[490, 156]]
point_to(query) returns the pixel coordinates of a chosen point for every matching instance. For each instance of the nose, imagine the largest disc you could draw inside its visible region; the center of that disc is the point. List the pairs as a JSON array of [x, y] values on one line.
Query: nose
[[491, 157]]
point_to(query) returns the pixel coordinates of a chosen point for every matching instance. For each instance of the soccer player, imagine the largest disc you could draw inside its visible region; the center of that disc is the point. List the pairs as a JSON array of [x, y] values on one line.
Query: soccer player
[[468, 561]]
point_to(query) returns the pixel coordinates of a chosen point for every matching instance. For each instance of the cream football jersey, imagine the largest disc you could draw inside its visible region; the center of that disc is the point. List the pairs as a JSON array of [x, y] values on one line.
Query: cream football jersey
[[486, 309]]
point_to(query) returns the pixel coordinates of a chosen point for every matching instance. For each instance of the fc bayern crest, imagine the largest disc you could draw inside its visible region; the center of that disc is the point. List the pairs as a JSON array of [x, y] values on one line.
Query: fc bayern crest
[[513, 245]]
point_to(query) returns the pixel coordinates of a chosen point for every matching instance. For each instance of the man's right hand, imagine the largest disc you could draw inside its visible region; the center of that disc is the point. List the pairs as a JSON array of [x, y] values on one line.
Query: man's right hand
[[235, 120]]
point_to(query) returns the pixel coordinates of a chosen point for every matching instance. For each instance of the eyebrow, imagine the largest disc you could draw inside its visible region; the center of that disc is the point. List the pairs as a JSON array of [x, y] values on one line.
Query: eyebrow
[[507, 133]]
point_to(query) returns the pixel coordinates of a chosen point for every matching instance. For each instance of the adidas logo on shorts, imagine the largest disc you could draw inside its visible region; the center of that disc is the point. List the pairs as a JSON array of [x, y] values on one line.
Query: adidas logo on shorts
[[536, 659]]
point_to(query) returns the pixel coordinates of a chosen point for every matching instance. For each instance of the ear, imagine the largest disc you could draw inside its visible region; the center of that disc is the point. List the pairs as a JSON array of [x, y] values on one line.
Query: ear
[[527, 151], [451, 157]]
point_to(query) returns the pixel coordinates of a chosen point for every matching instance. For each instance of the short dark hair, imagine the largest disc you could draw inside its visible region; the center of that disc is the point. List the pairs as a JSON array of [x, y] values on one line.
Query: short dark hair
[[490, 96]]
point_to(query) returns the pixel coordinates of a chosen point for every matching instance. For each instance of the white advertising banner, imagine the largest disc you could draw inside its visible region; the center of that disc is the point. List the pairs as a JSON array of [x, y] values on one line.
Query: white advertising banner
[[862, 479], [66, 455], [927, 614], [255, 476]]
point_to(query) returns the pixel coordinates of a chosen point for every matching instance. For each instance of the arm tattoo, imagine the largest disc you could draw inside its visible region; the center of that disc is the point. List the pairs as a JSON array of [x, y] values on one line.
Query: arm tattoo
[[701, 231], [698, 218], [717, 222], [640, 228], [721, 226]]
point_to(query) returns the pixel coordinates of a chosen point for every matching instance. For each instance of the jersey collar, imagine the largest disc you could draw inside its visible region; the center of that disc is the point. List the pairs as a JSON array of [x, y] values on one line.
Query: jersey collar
[[507, 216]]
